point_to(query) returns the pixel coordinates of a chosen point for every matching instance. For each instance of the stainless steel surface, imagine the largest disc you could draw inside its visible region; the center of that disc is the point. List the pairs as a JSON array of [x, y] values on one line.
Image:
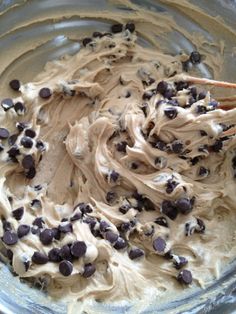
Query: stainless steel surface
[[54, 38]]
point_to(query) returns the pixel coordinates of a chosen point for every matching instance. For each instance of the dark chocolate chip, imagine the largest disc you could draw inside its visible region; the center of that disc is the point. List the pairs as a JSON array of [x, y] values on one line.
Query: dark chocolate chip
[[86, 41], [184, 205], [159, 245], [45, 93], [180, 261], [162, 222], [124, 208], [111, 236], [217, 146], [14, 84], [177, 147], [117, 28], [65, 228], [180, 85], [162, 87], [114, 176], [125, 226], [39, 222], [171, 185], [10, 237], [195, 160], [4, 133], [195, 57], [130, 26], [65, 253], [13, 151], [76, 216], [12, 139], [202, 95], [185, 277], [65, 268], [135, 253], [28, 162], [7, 104], [97, 34], [90, 221], [111, 197], [203, 171], [84, 208], [171, 113], [213, 103], [40, 146], [26, 142], [78, 249], [147, 95], [121, 147], [46, 236], [19, 108], [89, 270], [54, 255], [201, 109], [30, 133], [30, 174], [134, 165], [56, 233], [201, 226], [39, 258], [21, 126], [120, 244], [104, 226], [168, 208], [18, 213], [23, 230]]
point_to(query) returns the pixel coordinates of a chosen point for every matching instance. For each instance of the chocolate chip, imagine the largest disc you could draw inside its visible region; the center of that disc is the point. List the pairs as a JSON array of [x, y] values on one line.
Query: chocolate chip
[[134, 165], [125, 226], [217, 146], [130, 26], [19, 108], [39, 258], [111, 197], [104, 226], [203, 172], [171, 185], [162, 87], [13, 151], [12, 139], [28, 162], [202, 95], [162, 222], [180, 85], [18, 213], [38, 187], [184, 205], [46, 236], [7, 104], [30, 133], [171, 113], [185, 277], [86, 41], [84, 208], [213, 103], [89, 270], [117, 28], [160, 145], [9, 254], [195, 57], [195, 160], [180, 261], [65, 253], [114, 176], [111, 236], [120, 244], [54, 255], [26, 142], [201, 226], [135, 253], [65, 268], [147, 95], [121, 147], [78, 249], [169, 93], [10, 237], [124, 208], [21, 126], [45, 93], [40, 146], [23, 230], [97, 34], [201, 109], [30, 174], [14, 84], [6, 225], [65, 228], [39, 222], [56, 233], [177, 147], [4, 133], [64, 219], [159, 245], [76, 216], [168, 208]]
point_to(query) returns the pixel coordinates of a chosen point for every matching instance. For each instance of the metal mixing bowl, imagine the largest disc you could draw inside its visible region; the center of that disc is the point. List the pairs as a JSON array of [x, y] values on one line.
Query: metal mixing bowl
[[53, 38]]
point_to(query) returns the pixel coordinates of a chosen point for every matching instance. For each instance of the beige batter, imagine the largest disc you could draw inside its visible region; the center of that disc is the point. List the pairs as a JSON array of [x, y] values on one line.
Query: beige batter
[[99, 102]]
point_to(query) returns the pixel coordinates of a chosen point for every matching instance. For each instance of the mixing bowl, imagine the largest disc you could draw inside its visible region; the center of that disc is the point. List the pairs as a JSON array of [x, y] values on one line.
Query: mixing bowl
[[36, 31]]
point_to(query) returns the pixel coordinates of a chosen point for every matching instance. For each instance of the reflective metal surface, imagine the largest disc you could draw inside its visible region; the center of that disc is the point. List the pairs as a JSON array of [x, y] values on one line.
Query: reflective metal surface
[[35, 31]]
